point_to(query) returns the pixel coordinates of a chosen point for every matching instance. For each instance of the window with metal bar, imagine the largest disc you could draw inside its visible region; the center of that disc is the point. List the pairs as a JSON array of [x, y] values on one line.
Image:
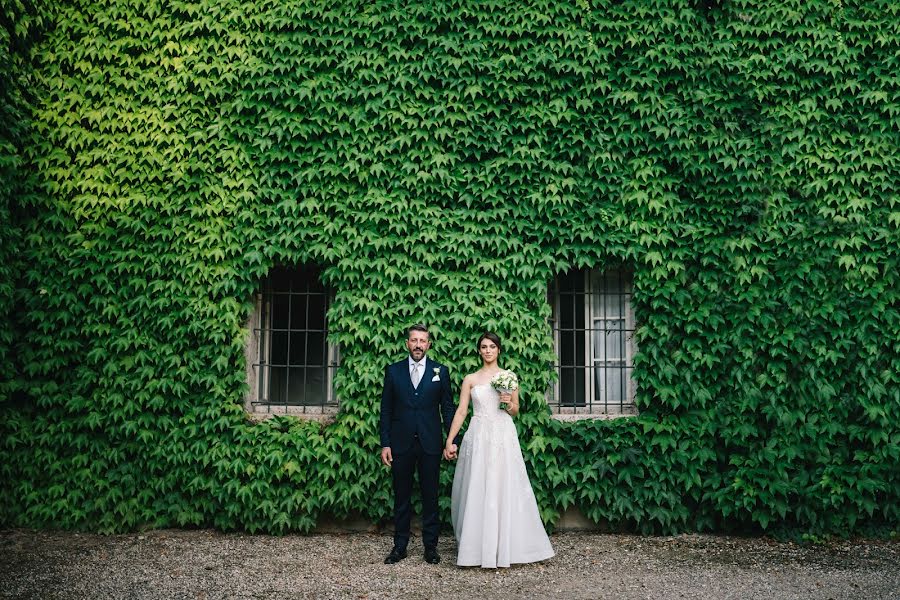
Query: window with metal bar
[[593, 331], [293, 363]]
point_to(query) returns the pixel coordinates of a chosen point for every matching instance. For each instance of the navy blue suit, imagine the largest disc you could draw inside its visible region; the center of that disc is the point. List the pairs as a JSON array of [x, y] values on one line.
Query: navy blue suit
[[411, 427]]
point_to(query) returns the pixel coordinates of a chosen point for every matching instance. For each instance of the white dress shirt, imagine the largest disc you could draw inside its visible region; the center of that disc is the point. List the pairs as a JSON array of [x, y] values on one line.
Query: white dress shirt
[[421, 364]]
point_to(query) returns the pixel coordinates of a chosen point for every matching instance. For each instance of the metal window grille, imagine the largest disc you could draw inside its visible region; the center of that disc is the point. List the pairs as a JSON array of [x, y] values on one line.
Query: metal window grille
[[295, 363], [593, 330]]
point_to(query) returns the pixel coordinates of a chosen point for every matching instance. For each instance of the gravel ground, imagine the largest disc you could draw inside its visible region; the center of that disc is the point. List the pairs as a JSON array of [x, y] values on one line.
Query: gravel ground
[[206, 564]]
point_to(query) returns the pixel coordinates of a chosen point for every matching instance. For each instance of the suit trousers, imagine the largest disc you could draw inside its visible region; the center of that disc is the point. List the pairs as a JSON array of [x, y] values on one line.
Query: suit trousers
[[402, 470]]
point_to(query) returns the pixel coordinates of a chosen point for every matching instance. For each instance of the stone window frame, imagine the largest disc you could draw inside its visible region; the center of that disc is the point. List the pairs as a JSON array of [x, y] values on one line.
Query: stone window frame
[[259, 352], [595, 319]]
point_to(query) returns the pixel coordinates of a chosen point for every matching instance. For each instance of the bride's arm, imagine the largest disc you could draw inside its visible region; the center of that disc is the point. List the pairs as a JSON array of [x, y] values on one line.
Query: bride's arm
[[512, 402], [461, 411]]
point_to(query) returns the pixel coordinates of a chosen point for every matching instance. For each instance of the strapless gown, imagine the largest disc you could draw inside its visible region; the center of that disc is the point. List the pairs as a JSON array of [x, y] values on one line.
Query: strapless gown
[[494, 513]]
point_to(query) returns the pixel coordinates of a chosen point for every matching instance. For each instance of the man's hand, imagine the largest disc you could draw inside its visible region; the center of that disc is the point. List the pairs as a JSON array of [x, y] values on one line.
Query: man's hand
[[451, 452], [386, 457]]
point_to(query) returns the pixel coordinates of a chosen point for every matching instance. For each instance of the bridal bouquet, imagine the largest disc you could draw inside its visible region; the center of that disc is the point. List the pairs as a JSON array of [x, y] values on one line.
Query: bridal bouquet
[[505, 381]]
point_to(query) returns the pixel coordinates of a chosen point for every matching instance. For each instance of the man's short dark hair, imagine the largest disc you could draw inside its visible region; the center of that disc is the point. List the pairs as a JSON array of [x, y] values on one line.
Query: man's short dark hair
[[417, 327]]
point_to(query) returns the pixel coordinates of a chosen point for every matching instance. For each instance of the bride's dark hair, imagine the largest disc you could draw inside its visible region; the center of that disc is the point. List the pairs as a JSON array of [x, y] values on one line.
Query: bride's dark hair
[[489, 335]]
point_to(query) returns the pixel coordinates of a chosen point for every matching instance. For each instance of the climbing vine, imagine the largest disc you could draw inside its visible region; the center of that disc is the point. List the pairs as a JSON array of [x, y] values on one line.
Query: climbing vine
[[443, 161]]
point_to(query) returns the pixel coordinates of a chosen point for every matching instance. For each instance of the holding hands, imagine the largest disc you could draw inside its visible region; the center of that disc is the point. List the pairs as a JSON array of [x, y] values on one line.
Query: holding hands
[[451, 451]]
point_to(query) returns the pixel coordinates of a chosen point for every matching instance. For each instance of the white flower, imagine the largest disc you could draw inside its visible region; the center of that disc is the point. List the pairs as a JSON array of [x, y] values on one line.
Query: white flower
[[505, 381]]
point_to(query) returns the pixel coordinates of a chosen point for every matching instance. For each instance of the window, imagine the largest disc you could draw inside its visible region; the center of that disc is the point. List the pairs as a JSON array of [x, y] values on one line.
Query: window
[[593, 332], [291, 364]]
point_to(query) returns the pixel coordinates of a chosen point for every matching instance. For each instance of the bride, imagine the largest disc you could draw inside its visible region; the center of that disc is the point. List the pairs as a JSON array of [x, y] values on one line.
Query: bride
[[494, 513]]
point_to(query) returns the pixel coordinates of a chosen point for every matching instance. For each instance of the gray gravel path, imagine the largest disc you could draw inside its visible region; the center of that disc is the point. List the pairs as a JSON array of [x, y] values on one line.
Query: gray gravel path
[[206, 564]]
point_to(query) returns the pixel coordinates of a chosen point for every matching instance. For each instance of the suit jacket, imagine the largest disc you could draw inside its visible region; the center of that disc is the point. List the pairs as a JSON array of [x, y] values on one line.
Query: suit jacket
[[407, 411]]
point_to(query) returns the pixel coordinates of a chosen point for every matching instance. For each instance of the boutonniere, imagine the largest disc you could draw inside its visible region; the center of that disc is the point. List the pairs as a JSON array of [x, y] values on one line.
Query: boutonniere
[[437, 374]]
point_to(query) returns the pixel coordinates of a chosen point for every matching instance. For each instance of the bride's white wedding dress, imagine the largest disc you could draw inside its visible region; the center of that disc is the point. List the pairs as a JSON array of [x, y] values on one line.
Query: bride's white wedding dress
[[495, 516]]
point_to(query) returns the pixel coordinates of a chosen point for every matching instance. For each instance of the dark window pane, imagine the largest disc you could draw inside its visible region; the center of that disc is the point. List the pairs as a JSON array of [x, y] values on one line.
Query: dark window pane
[[298, 348], [298, 311], [316, 319], [314, 283], [567, 348], [570, 282], [280, 310], [280, 280], [279, 349], [566, 312], [612, 282], [307, 386], [277, 385], [315, 349], [579, 310], [571, 310], [571, 386], [298, 393]]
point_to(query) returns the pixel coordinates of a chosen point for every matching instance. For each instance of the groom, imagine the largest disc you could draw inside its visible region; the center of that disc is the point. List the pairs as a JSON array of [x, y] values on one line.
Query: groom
[[415, 398]]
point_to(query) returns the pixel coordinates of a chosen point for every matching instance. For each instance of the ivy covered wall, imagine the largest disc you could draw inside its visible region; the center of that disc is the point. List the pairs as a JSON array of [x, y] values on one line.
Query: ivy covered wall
[[444, 161], [20, 26]]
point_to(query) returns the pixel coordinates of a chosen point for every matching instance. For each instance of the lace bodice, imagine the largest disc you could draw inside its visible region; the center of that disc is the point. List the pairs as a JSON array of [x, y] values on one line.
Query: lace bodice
[[486, 402]]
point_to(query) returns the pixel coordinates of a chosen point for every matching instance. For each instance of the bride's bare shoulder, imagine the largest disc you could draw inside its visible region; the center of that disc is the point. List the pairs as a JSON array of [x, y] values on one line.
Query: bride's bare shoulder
[[470, 379]]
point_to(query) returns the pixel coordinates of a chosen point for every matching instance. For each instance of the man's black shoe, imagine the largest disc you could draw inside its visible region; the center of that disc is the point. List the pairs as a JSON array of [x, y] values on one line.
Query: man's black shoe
[[431, 556], [395, 556]]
